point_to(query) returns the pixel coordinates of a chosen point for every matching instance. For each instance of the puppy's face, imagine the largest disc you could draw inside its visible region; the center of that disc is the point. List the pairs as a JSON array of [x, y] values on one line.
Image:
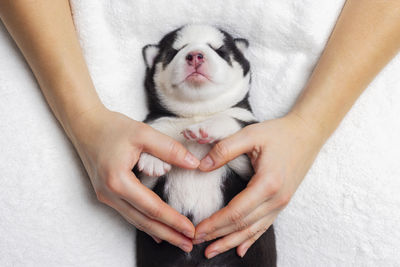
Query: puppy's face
[[198, 65]]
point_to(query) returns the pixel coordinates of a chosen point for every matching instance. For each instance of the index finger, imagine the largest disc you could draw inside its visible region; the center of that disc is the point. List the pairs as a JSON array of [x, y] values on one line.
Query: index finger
[[168, 149], [236, 210], [150, 204], [227, 149]]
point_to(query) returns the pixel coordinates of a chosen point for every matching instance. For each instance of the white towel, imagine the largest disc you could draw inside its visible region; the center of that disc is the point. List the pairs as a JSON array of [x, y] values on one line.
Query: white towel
[[345, 213]]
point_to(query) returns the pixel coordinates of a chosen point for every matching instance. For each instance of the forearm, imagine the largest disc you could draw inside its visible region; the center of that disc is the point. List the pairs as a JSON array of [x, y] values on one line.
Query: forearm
[[45, 34], [365, 38]]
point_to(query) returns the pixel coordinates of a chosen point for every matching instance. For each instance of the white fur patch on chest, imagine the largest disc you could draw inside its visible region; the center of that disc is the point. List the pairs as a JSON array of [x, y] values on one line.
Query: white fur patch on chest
[[195, 192]]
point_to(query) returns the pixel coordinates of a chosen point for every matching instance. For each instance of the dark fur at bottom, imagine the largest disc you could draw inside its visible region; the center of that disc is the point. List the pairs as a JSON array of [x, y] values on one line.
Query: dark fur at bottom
[[150, 254]]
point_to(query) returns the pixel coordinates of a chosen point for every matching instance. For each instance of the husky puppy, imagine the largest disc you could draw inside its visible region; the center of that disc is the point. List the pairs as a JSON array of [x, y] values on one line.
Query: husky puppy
[[197, 83]]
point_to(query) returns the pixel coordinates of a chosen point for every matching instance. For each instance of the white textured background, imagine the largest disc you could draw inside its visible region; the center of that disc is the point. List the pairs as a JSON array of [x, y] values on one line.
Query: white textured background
[[345, 213]]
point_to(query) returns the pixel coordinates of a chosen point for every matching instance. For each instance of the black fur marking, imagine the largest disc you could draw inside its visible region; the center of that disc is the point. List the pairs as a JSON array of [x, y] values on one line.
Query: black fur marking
[[261, 254], [169, 56], [167, 52], [159, 188], [244, 103], [229, 48], [230, 45], [165, 55], [233, 185], [148, 253], [135, 170], [156, 109], [223, 53]]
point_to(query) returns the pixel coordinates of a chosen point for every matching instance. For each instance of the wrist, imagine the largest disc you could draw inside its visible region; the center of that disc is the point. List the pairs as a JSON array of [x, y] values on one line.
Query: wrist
[[80, 125], [309, 128]]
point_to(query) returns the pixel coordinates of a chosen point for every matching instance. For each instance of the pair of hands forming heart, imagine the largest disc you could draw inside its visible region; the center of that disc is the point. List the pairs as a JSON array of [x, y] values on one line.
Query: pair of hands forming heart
[[281, 152]]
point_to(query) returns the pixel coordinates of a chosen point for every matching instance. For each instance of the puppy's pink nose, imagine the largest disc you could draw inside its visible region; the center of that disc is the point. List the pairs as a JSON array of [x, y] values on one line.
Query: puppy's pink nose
[[195, 58]]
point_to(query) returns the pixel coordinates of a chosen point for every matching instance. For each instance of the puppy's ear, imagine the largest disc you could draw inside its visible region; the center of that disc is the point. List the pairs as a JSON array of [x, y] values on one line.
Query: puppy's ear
[[241, 43], [149, 53]]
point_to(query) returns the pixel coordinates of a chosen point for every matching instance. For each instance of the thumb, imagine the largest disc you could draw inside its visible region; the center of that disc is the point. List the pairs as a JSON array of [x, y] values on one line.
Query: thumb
[[226, 150], [168, 149]]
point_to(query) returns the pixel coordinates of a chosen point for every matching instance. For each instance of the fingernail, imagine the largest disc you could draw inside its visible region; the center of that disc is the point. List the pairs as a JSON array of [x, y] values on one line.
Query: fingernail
[[197, 241], [212, 254], [192, 160], [188, 234], [206, 163], [243, 252], [185, 247]]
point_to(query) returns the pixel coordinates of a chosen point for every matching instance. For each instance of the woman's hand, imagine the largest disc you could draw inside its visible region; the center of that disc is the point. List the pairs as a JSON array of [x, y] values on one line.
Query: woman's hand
[[281, 152], [109, 145]]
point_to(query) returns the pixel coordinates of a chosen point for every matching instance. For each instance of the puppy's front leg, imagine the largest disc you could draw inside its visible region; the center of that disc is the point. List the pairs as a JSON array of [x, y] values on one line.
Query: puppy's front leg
[[151, 166], [214, 129]]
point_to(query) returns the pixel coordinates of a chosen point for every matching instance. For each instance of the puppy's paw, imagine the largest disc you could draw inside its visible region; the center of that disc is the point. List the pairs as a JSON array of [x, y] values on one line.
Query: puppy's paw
[[152, 166], [198, 133]]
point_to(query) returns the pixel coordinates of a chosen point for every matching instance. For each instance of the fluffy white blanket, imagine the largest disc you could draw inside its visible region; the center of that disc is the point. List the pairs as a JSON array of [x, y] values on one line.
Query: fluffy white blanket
[[345, 213]]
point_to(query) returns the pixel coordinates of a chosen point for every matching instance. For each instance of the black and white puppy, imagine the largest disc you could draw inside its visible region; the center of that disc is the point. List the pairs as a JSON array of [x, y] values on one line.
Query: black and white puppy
[[197, 84]]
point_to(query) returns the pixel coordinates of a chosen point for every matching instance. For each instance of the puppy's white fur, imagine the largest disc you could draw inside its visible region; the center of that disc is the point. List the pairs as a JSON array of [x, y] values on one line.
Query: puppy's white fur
[[227, 86], [206, 107]]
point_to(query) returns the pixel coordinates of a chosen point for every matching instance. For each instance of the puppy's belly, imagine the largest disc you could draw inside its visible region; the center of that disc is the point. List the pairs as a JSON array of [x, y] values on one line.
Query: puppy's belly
[[193, 192]]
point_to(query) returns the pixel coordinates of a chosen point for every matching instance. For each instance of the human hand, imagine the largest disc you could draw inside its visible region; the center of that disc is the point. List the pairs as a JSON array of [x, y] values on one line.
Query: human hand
[[109, 145], [281, 152]]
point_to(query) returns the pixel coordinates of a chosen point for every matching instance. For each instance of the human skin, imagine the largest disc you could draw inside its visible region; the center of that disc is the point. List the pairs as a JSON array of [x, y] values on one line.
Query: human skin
[[365, 38], [108, 143]]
